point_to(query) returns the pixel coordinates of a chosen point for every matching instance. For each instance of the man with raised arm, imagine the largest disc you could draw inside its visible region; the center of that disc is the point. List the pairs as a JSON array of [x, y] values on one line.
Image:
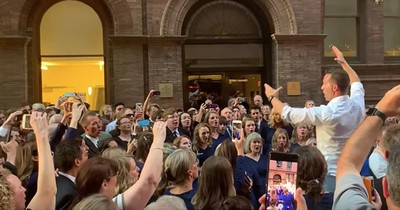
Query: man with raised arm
[[335, 121], [349, 187]]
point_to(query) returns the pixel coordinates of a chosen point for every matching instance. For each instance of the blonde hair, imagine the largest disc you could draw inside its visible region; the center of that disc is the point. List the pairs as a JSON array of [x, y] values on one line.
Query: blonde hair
[[275, 139], [24, 161], [295, 136], [6, 192], [95, 202], [177, 164], [275, 119], [124, 179]]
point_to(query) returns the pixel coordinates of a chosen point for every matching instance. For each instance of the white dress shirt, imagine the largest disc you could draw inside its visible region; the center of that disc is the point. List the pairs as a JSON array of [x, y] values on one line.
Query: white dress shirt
[[72, 178], [111, 126], [334, 122], [95, 141]]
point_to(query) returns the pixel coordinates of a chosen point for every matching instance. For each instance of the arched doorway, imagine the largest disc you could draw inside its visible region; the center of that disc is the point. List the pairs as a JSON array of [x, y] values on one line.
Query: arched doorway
[[228, 49], [72, 59]]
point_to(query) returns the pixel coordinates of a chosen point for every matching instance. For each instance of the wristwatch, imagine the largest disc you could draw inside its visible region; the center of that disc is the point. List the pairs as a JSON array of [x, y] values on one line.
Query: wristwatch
[[376, 112]]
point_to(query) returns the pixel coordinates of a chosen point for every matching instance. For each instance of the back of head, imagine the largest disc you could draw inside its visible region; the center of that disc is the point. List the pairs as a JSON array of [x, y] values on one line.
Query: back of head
[[311, 170], [6, 192], [143, 145], [167, 202], [66, 153], [124, 177], [391, 136], [393, 174], [212, 189], [95, 202], [177, 165], [91, 175], [227, 149], [341, 79], [238, 202]]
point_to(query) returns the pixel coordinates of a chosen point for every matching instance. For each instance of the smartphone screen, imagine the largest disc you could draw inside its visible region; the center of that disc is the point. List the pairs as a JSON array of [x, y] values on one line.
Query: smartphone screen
[[26, 118], [138, 107], [281, 180], [143, 123], [236, 126]]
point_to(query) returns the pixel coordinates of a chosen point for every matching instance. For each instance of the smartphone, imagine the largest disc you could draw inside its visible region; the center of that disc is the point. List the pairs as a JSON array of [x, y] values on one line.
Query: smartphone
[[26, 118], [156, 93], [138, 107], [69, 95], [236, 126], [212, 106], [143, 123], [369, 185], [281, 179]]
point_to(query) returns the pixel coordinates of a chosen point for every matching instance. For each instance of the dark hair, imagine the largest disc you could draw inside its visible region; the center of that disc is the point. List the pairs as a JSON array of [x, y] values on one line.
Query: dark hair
[[118, 132], [157, 115], [223, 120], [340, 78], [91, 175], [311, 171], [255, 107], [118, 104], [66, 153], [238, 202]]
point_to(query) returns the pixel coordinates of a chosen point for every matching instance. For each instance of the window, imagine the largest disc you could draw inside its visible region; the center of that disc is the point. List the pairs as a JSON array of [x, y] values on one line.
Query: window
[[392, 27], [341, 27]]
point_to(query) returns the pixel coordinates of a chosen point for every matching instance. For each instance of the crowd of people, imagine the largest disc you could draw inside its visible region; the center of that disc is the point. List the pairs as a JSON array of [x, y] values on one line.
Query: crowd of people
[[148, 156]]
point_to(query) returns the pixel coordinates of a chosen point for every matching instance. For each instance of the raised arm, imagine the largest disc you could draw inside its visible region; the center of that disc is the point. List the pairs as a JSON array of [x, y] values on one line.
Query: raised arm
[[346, 67], [46, 186], [147, 101], [272, 96], [351, 160], [137, 196]]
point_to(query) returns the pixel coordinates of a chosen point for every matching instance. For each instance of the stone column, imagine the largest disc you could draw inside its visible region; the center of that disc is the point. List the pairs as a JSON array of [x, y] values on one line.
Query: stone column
[[13, 71], [298, 58], [165, 66], [125, 75]]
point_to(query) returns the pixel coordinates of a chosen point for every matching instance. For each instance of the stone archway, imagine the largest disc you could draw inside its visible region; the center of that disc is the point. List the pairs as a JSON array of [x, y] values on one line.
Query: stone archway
[[280, 13], [115, 16]]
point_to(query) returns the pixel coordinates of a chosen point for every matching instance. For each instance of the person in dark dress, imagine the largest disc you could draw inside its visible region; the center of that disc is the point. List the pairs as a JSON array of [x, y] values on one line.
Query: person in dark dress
[[311, 173], [202, 142], [181, 170], [124, 136]]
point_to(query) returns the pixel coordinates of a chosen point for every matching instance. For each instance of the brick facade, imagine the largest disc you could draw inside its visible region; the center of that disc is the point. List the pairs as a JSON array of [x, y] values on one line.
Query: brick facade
[[143, 47]]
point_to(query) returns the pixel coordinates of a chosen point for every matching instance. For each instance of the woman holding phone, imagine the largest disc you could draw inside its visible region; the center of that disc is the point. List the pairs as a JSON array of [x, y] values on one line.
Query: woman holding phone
[[124, 125]]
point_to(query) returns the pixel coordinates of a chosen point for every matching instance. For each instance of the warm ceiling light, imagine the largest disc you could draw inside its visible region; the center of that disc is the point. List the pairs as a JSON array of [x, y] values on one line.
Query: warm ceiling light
[[44, 67], [90, 90]]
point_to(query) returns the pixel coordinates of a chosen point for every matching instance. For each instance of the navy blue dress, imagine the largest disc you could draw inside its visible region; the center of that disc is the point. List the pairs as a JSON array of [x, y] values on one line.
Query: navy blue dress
[[326, 202], [202, 155], [187, 196]]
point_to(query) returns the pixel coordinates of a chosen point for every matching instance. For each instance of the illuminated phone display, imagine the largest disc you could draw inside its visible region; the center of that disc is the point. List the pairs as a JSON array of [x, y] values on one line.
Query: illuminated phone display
[[281, 180]]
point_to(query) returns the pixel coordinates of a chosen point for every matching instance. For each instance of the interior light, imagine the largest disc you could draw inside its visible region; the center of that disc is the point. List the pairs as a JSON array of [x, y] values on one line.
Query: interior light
[[44, 67], [90, 90]]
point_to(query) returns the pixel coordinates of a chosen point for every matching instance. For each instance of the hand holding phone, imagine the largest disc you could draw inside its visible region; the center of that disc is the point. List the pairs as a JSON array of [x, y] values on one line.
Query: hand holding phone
[[282, 174], [236, 127], [26, 118], [143, 123], [156, 93]]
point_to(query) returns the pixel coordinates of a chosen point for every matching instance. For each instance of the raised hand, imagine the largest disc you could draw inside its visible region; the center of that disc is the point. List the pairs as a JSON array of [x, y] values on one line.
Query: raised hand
[[390, 103], [239, 143], [269, 91], [159, 131], [39, 123], [339, 56]]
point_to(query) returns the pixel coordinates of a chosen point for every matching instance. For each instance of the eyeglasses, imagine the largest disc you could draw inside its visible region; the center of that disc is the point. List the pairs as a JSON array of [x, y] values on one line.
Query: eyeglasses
[[129, 115]]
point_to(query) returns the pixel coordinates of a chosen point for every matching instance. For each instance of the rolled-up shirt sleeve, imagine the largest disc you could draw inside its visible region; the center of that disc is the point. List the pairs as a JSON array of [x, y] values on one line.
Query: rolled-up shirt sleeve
[[311, 116]]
